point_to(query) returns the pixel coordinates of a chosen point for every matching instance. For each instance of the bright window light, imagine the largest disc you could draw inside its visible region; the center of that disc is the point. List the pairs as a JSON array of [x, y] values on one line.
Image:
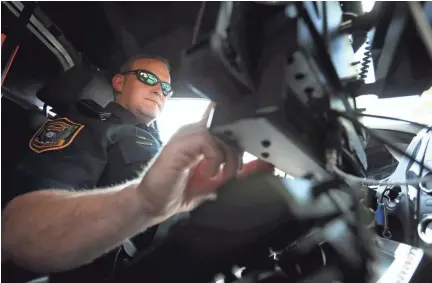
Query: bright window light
[[179, 112], [367, 6], [183, 111], [413, 108]]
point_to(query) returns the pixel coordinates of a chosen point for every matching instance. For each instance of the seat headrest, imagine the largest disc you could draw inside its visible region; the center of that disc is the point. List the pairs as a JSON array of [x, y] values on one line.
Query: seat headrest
[[75, 84]]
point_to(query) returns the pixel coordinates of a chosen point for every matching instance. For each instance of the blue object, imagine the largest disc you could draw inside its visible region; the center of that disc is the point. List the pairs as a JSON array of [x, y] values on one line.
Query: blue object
[[379, 215]]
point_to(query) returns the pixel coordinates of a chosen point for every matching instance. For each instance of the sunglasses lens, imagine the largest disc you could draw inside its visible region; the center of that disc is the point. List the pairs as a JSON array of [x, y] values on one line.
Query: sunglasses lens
[[152, 80], [147, 78], [166, 88]]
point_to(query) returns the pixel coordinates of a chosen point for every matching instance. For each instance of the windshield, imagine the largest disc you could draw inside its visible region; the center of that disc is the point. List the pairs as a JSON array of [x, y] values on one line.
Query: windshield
[[417, 108]]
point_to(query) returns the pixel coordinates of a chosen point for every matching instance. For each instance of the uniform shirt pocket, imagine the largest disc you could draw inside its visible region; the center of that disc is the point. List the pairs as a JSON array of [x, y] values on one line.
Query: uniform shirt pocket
[[138, 150]]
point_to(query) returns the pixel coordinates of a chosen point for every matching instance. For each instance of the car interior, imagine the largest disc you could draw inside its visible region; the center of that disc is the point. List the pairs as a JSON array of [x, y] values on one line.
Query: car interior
[[56, 54]]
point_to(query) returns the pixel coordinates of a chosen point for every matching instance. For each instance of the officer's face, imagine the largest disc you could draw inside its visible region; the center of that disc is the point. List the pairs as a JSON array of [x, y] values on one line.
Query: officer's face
[[144, 101]]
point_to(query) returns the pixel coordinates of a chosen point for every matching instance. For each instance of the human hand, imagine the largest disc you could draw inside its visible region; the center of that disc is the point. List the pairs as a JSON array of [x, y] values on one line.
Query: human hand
[[189, 169]]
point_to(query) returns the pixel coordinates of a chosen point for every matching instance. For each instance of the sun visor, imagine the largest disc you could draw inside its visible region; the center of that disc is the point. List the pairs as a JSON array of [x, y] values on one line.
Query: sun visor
[[75, 84]]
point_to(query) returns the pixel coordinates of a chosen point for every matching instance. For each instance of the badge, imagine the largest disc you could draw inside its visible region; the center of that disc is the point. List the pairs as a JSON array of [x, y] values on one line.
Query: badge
[[54, 135]]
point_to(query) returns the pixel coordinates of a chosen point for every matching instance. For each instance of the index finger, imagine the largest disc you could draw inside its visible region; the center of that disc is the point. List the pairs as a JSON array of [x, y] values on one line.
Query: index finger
[[208, 114]]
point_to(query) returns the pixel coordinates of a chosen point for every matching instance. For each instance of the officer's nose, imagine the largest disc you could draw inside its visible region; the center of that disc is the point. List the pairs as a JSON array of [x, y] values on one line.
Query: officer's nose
[[157, 93], [157, 90]]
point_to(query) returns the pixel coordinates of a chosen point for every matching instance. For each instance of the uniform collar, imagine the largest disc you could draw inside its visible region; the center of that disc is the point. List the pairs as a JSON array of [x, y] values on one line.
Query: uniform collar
[[122, 113], [128, 118], [125, 115]]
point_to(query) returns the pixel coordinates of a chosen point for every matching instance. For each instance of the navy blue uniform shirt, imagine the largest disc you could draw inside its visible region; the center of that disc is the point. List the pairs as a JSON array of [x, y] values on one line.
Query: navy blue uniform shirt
[[83, 152]]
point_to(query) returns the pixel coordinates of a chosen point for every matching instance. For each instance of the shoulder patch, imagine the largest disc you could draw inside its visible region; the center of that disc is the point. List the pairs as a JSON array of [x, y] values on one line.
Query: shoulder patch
[[54, 135]]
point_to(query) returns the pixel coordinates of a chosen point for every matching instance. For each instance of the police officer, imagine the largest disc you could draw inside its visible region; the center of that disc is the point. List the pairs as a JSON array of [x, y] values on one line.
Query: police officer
[[90, 182]]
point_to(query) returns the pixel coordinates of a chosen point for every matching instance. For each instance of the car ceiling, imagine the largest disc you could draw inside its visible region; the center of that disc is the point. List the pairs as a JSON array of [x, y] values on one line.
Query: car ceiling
[[104, 34], [108, 32]]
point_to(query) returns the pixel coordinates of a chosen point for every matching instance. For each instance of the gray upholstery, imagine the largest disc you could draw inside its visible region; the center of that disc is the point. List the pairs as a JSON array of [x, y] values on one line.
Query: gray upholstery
[[75, 84]]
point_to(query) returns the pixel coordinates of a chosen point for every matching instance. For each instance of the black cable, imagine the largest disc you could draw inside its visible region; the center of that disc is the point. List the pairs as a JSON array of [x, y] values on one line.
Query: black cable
[[393, 119], [366, 61], [383, 141]]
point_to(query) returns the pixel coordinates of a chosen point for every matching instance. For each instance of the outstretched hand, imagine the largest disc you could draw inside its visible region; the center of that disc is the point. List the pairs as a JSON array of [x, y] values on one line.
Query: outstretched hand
[[190, 168]]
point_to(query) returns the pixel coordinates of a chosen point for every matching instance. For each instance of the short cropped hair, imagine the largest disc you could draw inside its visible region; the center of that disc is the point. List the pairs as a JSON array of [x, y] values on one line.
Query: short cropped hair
[[127, 65]]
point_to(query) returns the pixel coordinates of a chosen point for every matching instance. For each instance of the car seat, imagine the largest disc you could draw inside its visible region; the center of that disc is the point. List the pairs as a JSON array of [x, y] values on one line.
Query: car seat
[[73, 85]]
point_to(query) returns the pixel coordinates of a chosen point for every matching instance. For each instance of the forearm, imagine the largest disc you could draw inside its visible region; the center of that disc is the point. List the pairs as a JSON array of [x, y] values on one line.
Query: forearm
[[49, 230]]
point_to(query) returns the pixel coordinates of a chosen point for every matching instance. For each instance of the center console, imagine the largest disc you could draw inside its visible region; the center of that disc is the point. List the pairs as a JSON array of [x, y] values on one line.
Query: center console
[[410, 206]]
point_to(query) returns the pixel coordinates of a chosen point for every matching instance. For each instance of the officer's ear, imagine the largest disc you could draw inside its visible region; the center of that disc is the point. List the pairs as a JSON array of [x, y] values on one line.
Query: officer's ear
[[117, 83]]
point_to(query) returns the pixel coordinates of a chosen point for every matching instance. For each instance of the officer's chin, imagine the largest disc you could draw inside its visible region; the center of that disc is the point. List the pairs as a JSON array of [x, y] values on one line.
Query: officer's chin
[[151, 106], [147, 115]]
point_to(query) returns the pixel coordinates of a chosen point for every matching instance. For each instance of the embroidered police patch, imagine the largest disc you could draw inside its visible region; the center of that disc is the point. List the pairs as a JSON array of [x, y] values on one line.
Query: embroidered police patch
[[54, 135]]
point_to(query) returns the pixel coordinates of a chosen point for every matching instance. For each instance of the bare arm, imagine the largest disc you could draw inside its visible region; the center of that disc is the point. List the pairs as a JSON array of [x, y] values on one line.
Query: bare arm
[[49, 231]]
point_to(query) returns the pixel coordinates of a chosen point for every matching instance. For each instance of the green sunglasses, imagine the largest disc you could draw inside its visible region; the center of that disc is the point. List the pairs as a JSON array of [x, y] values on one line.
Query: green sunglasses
[[151, 79]]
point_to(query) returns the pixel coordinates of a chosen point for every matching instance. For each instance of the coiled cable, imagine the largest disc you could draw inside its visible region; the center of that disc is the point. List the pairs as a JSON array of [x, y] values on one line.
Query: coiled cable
[[367, 59]]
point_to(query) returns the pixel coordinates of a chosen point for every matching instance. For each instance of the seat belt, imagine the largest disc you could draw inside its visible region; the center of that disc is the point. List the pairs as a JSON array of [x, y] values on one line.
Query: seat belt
[[164, 227], [162, 231], [129, 248]]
